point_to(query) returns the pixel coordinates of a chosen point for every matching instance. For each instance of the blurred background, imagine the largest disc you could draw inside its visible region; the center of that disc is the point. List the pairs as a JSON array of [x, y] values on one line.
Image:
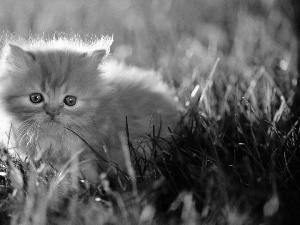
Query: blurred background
[[180, 38]]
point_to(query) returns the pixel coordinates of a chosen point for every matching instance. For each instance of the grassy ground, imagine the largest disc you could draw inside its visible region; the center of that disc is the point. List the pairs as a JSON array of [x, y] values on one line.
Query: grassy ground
[[235, 159]]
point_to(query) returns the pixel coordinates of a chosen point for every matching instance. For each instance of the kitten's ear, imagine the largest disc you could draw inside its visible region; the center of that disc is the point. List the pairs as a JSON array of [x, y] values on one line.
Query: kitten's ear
[[100, 49], [97, 56], [16, 56]]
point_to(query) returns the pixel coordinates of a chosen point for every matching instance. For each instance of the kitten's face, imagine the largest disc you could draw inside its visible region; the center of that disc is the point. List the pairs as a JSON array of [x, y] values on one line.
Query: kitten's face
[[50, 92]]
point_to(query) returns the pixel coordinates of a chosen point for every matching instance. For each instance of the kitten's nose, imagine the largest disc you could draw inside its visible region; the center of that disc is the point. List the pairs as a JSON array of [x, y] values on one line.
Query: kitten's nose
[[52, 111]]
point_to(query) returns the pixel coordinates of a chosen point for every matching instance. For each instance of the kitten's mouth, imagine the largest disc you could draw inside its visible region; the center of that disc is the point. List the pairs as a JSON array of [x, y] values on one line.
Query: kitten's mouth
[[50, 127], [51, 121], [52, 124]]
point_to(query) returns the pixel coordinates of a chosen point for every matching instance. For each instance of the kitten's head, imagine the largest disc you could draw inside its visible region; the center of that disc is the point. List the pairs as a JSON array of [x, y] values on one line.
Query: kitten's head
[[51, 86]]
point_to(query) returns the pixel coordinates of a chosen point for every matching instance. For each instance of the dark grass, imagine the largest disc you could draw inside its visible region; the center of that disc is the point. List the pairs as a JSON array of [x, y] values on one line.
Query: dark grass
[[234, 158], [227, 177]]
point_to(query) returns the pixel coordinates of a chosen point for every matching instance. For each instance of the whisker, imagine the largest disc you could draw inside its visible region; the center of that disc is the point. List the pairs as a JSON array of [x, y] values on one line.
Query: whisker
[[27, 134], [23, 130], [33, 132], [25, 121], [21, 127], [23, 133]]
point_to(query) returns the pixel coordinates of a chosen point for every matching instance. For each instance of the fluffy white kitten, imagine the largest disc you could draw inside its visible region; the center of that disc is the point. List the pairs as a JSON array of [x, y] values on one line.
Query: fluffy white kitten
[[61, 99]]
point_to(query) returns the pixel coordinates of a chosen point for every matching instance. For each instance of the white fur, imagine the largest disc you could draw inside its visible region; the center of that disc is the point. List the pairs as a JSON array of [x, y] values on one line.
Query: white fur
[[107, 92]]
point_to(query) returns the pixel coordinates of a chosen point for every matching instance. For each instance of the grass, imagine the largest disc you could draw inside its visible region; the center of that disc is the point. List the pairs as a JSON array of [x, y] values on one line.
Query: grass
[[235, 158]]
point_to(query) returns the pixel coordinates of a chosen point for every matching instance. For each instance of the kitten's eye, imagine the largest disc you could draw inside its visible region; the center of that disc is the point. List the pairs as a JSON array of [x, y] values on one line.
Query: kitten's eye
[[36, 98], [70, 100]]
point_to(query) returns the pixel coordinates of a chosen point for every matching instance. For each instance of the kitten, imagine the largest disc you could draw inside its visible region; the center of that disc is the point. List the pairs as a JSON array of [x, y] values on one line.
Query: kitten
[[63, 99]]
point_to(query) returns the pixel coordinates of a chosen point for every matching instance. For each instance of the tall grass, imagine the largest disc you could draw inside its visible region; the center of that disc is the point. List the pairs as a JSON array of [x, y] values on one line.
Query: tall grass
[[234, 159]]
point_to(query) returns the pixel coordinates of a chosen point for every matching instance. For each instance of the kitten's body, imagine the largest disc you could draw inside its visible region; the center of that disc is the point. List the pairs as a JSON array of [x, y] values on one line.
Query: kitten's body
[[105, 96]]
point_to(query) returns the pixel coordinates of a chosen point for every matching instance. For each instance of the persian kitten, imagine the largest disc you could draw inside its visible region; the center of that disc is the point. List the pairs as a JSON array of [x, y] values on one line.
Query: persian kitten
[[65, 99]]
